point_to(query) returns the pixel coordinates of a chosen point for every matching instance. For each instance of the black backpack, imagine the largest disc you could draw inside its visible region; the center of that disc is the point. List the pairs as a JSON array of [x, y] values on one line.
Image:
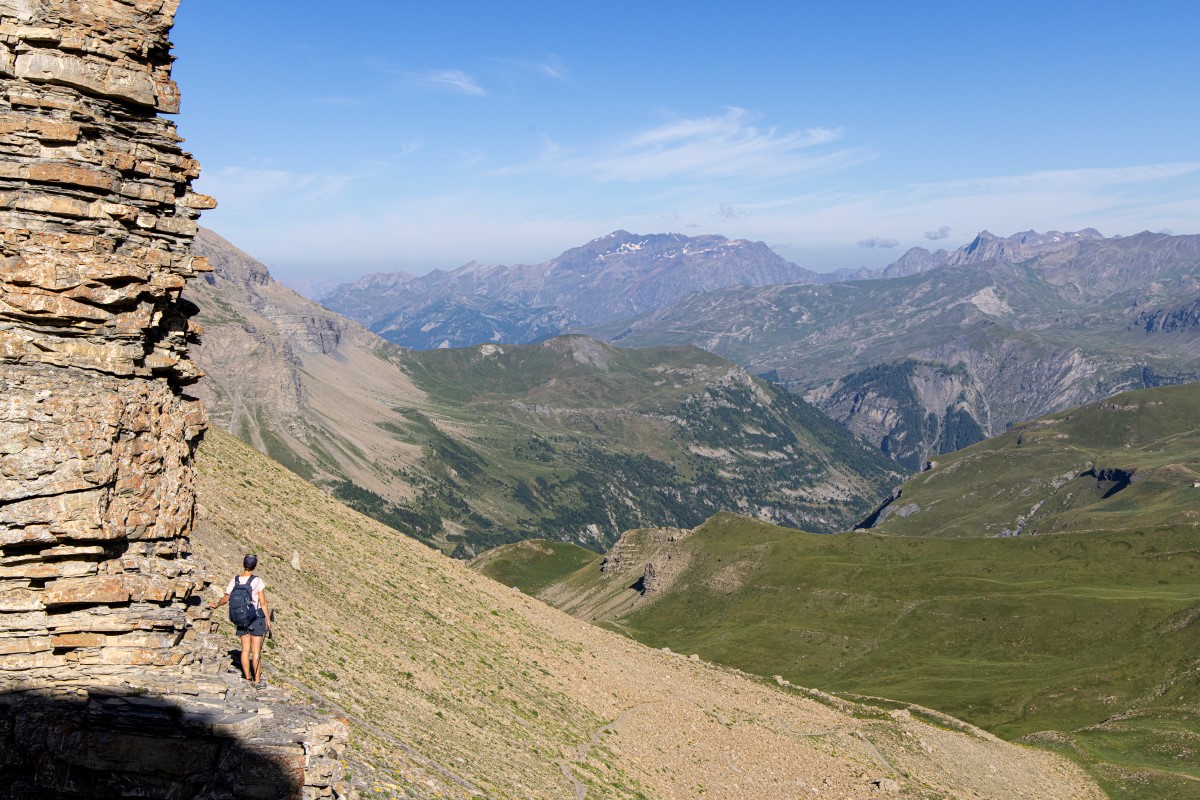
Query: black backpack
[[241, 603]]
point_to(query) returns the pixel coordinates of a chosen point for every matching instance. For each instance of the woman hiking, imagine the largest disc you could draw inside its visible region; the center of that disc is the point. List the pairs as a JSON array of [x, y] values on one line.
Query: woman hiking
[[248, 610]]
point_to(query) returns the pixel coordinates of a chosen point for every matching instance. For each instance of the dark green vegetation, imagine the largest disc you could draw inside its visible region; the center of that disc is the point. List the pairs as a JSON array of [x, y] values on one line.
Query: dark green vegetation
[[1086, 640], [916, 424], [573, 439]]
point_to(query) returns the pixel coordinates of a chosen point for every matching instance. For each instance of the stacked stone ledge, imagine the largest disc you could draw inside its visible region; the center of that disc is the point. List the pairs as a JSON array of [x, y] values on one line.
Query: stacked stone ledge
[[99, 601], [96, 435]]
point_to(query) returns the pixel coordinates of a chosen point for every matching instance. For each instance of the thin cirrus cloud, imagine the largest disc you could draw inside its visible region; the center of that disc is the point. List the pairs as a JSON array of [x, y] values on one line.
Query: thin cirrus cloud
[[1112, 199], [876, 242], [451, 80], [555, 71], [1062, 178], [237, 186], [724, 146], [553, 67]]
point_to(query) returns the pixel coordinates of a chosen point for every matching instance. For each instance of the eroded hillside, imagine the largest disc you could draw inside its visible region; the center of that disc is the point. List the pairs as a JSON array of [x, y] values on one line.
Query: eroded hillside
[[460, 687]]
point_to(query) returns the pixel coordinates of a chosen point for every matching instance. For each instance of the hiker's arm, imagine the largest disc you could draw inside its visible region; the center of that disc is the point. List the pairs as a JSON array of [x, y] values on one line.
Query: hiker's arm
[[262, 598], [220, 602]]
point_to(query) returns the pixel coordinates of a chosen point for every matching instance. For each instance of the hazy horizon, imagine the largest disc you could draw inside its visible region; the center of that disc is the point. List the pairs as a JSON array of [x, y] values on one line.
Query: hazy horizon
[[410, 138]]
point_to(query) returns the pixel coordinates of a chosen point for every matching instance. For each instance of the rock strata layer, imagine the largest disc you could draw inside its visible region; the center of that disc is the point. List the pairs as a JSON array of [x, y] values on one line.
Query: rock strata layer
[[96, 436]]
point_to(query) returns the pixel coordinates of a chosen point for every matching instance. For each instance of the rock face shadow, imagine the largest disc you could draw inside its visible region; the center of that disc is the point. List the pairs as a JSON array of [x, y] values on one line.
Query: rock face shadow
[[107, 745]]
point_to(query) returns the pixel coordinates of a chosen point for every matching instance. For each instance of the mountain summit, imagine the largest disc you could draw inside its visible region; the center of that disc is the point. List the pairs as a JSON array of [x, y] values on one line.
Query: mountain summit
[[615, 276]]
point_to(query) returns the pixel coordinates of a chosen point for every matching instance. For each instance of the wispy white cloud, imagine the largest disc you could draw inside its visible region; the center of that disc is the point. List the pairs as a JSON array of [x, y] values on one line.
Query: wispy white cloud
[[450, 80], [1114, 200], [553, 67], [875, 242], [941, 233], [1060, 178], [260, 195], [724, 146], [243, 186]]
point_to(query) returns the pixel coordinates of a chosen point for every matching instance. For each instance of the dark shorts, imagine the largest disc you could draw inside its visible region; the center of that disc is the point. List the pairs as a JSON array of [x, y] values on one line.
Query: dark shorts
[[257, 628]]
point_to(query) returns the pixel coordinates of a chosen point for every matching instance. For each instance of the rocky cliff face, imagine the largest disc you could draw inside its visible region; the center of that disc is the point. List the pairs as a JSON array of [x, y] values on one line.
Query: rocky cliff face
[[909, 409], [96, 436], [1178, 319]]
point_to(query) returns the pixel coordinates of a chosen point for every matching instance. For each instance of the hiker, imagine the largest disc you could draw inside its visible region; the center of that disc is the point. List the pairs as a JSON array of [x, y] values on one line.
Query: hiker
[[248, 610]]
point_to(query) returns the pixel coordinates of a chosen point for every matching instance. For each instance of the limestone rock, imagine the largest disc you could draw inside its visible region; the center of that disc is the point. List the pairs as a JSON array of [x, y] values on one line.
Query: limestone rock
[[96, 436]]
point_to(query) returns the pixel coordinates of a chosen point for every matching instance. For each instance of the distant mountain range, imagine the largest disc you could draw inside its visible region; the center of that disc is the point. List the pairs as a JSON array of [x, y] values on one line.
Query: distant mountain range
[[614, 277], [929, 354], [999, 331]]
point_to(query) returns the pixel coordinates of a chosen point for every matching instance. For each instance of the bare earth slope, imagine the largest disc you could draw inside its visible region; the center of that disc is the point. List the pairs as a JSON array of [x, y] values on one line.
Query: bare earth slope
[[297, 381], [459, 687]]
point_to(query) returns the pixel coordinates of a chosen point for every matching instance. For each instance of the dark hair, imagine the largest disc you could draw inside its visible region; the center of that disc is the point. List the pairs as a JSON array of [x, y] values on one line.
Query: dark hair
[[249, 563]]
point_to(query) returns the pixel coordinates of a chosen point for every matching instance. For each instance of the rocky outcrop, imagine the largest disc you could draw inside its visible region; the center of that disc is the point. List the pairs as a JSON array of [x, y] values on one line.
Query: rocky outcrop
[[206, 739], [96, 436], [111, 677], [909, 409], [1181, 319]]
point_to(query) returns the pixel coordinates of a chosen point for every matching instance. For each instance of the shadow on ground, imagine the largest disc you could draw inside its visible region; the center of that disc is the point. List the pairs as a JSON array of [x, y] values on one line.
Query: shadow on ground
[[107, 745]]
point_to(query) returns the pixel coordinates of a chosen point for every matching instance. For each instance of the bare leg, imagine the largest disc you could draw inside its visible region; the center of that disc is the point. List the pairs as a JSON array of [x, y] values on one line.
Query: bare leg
[[256, 655], [246, 655]]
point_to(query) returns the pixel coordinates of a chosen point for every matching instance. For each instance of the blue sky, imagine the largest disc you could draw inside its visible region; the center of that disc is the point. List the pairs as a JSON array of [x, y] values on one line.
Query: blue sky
[[359, 137]]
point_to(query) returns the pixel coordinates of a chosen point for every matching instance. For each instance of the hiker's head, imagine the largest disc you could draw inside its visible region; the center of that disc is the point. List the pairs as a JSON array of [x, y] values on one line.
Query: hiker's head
[[249, 563]]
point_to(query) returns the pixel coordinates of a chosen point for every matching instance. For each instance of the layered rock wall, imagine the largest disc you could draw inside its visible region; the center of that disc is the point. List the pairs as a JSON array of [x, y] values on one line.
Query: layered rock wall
[[96, 435]]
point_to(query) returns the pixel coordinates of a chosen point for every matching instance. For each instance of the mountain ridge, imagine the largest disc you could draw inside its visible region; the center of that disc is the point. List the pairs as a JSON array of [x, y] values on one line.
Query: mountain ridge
[[610, 277], [1063, 323]]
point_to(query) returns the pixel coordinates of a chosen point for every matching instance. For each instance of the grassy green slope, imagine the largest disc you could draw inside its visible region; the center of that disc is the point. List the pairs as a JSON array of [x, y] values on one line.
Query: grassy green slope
[[533, 565], [577, 440], [1124, 464], [458, 687], [1093, 636], [1088, 639]]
